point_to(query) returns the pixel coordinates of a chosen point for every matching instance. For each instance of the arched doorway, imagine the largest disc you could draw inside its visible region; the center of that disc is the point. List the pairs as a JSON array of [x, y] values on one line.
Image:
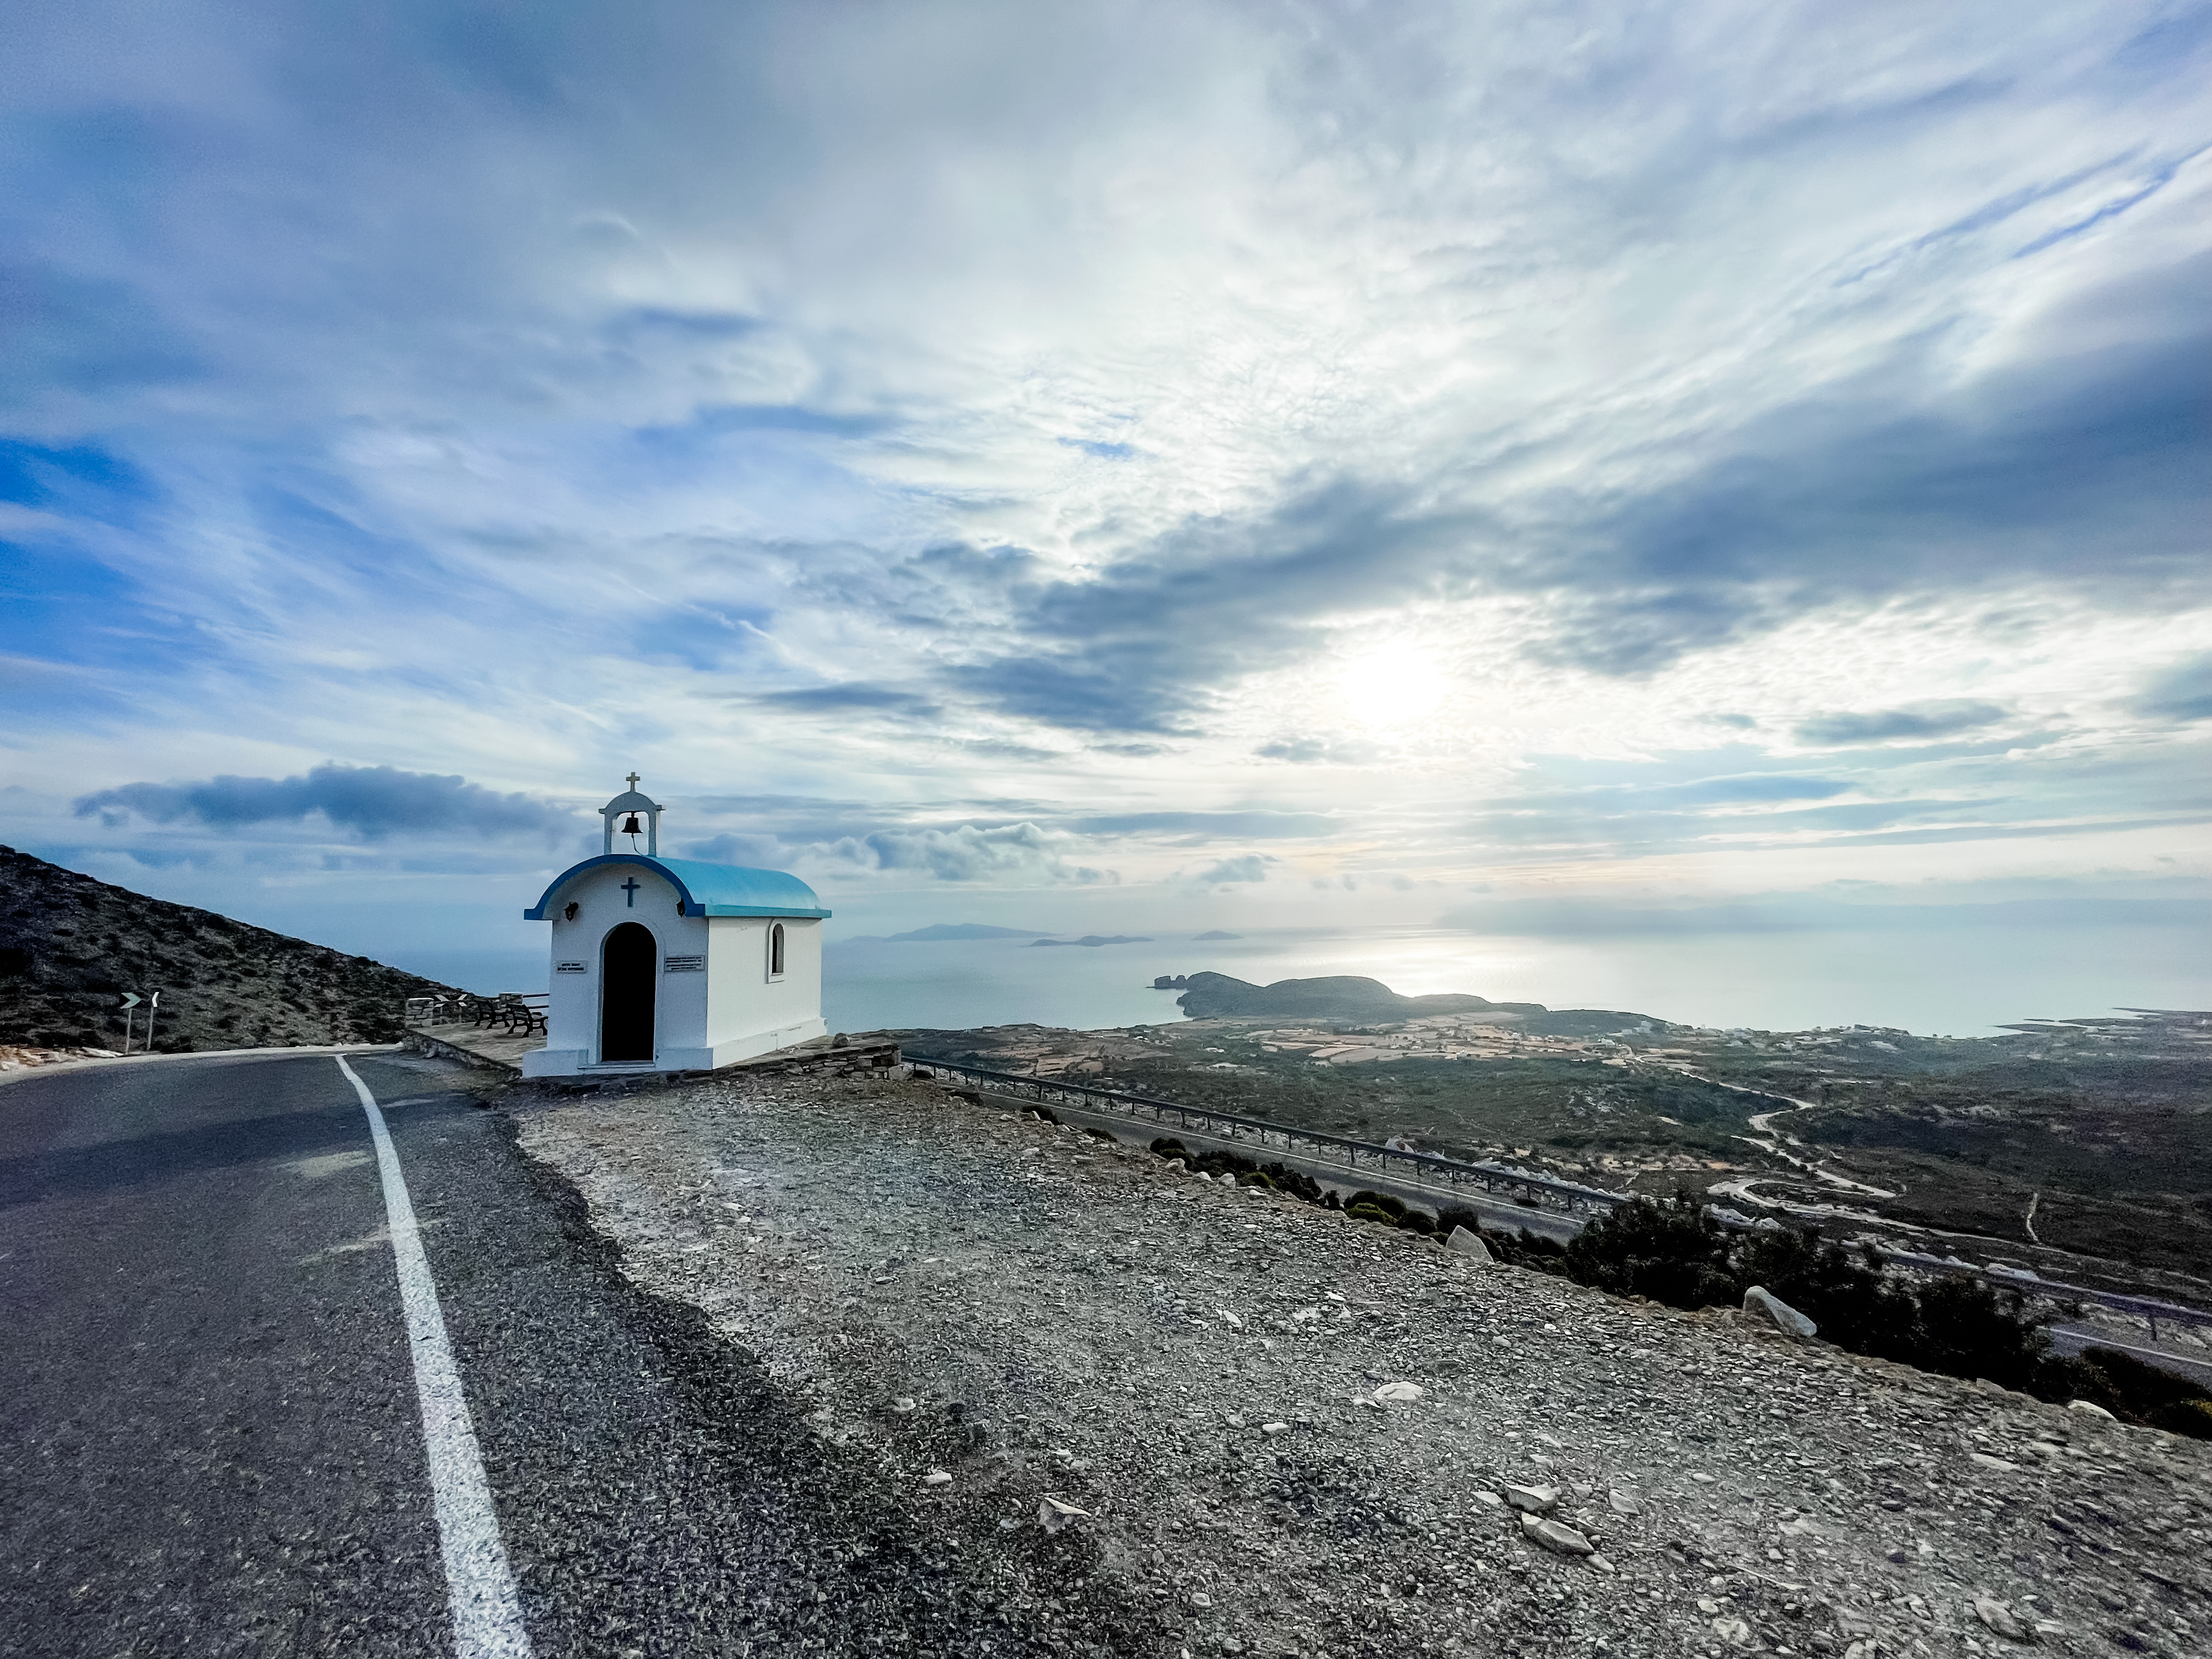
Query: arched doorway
[[628, 976]]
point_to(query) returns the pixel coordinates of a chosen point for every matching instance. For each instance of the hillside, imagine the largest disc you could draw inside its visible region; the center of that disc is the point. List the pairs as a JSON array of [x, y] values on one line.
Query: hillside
[[2090, 1136], [1207, 1420], [70, 945]]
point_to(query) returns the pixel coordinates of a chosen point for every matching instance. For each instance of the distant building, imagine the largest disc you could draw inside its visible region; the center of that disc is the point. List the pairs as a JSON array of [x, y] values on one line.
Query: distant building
[[671, 964]]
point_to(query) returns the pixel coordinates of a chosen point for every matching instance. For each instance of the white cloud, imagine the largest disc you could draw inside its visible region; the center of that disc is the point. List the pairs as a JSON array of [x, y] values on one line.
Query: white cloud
[[1028, 414]]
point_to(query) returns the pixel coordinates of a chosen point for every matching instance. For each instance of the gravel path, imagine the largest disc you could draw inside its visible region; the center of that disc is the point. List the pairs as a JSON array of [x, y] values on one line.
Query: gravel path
[[939, 1289]]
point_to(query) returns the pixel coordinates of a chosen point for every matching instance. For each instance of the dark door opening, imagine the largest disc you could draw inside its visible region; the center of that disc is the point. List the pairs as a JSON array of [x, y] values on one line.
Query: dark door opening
[[628, 976]]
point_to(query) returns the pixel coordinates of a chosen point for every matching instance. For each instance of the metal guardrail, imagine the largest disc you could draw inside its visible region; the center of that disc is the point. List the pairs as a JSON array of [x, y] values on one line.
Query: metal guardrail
[[1267, 1136]]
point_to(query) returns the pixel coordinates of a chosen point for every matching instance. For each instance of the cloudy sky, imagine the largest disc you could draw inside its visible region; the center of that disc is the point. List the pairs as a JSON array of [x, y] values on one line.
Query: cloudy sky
[[1530, 469]]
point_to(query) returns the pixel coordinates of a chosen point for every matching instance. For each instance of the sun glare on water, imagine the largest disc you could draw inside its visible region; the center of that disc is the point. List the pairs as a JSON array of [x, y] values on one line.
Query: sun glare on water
[[1393, 688]]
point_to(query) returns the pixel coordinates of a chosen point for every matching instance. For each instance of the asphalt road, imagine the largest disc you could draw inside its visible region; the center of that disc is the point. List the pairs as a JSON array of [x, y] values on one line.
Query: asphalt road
[[211, 1431]]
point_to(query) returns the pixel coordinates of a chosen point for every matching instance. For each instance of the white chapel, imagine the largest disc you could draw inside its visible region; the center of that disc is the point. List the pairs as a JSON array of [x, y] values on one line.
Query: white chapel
[[671, 964]]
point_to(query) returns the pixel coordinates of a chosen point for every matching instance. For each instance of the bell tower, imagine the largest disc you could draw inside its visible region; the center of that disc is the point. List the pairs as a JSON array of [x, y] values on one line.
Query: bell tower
[[623, 814]]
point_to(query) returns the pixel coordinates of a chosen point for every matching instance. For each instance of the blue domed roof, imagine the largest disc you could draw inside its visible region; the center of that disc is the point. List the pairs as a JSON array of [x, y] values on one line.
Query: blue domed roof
[[706, 890]]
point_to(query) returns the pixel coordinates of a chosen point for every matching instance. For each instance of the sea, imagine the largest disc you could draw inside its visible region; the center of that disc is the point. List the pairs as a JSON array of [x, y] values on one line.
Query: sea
[[1955, 982]]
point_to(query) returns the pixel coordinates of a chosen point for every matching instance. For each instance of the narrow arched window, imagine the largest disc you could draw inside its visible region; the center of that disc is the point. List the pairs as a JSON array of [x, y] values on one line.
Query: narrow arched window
[[775, 950]]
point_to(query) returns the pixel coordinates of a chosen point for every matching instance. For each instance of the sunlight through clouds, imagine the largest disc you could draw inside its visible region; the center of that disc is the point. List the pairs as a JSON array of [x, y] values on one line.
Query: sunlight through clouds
[[1393, 687], [1430, 441]]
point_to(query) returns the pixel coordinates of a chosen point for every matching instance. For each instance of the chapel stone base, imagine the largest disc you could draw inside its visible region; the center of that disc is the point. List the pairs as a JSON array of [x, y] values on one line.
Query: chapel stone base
[[578, 1063]]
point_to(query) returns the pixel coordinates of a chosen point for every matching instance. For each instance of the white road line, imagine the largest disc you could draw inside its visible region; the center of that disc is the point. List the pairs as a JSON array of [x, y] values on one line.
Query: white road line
[[486, 1613]]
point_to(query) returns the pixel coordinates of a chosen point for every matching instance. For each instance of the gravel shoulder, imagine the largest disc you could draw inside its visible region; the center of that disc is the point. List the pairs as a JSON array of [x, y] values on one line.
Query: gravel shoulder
[[937, 1288]]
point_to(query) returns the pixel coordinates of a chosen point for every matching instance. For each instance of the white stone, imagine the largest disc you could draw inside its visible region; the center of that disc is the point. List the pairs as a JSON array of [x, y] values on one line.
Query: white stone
[[1556, 1536], [2002, 1619], [1469, 1244], [1399, 1392], [1624, 1503], [2090, 1409], [936, 1478], [1053, 1514], [1533, 1500], [1762, 1303]]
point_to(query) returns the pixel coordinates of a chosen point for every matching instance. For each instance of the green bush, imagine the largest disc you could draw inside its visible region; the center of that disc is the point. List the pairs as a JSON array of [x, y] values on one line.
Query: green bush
[[1855, 1304], [2133, 1391], [1166, 1146], [1393, 1207], [2190, 1416], [1967, 1330], [1449, 1216], [1671, 1253], [1957, 1325], [1522, 1249], [1371, 1213], [1297, 1182]]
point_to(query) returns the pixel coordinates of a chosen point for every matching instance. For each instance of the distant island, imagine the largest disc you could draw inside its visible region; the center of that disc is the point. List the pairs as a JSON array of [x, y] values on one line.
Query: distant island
[[1095, 938], [943, 932], [1216, 934], [1342, 996]]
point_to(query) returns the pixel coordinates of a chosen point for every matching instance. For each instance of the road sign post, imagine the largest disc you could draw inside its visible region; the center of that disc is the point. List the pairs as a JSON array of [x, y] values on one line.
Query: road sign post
[[130, 1001]]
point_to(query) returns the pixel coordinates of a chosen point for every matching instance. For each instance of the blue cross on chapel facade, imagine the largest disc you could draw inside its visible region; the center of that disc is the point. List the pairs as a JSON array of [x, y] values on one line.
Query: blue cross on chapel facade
[[630, 889]]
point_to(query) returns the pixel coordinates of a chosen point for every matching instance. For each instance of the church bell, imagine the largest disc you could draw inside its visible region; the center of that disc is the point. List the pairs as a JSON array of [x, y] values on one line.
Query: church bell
[[630, 826]]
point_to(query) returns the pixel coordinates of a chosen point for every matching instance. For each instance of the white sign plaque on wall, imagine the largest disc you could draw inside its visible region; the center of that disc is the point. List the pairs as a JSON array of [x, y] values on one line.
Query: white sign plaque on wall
[[567, 967], [685, 965]]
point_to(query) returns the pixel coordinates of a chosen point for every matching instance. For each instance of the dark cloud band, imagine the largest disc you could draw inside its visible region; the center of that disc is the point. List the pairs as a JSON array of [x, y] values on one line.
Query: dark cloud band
[[370, 801]]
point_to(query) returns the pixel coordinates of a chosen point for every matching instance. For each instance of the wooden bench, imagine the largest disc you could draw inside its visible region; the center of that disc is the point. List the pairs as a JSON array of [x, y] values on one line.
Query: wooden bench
[[524, 1011]]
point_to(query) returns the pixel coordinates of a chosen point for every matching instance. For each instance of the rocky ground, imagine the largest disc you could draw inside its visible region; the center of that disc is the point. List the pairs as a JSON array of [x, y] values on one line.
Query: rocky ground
[[1176, 1418], [14, 1058]]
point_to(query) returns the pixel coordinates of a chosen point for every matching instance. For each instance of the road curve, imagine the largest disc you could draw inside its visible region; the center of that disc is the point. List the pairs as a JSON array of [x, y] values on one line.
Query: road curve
[[210, 1424]]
